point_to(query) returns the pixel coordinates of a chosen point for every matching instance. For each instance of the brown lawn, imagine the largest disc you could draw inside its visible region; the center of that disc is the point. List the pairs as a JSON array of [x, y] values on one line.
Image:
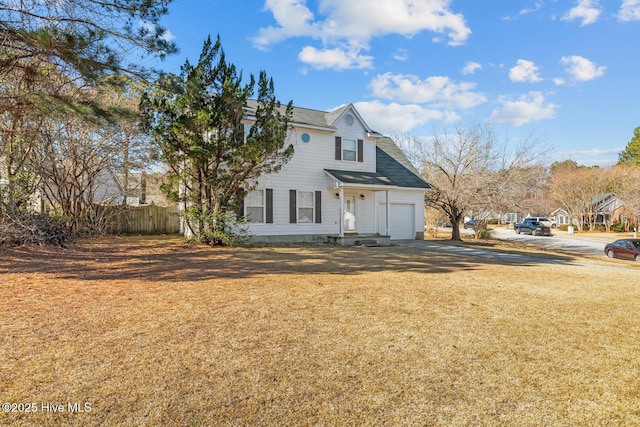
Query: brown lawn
[[150, 332]]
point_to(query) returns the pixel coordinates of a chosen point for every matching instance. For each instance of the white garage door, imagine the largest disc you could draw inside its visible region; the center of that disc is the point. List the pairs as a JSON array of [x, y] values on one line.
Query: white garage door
[[402, 224]]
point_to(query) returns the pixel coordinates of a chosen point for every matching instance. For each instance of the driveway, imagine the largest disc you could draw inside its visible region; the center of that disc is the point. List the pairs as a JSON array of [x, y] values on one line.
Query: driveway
[[558, 240], [583, 244], [577, 243], [483, 253]]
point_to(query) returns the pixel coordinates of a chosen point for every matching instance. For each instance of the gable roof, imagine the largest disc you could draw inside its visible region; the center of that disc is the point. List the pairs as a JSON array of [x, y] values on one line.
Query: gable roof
[[392, 169], [314, 118]]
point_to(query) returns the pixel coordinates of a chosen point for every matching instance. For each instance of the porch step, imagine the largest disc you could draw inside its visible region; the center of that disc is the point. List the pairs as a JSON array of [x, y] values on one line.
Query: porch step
[[361, 240]]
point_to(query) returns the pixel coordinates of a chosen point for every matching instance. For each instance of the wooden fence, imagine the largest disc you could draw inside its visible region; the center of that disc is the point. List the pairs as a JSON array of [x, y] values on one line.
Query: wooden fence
[[149, 219]]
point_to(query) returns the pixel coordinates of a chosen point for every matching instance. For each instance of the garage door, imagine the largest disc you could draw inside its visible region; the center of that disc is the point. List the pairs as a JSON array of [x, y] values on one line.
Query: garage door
[[402, 224]]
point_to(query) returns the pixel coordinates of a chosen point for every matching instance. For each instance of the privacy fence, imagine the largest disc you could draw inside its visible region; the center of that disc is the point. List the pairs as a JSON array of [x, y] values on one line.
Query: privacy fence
[[149, 219]]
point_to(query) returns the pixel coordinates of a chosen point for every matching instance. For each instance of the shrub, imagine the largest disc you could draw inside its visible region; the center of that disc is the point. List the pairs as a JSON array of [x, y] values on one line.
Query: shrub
[[618, 227], [25, 228]]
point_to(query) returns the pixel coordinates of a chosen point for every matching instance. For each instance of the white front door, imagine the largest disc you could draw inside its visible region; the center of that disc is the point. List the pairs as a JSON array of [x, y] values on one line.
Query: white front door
[[349, 213]]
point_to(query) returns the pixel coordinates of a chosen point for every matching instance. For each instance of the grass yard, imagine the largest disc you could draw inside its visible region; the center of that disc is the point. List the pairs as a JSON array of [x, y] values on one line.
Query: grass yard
[[150, 331]]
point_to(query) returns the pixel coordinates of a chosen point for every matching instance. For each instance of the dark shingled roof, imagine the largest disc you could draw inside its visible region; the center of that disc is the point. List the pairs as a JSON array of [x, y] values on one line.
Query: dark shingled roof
[[392, 168]]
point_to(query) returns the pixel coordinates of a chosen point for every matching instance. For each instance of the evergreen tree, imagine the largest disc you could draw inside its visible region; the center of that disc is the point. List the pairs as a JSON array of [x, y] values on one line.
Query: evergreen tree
[[198, 120], [631, 154]]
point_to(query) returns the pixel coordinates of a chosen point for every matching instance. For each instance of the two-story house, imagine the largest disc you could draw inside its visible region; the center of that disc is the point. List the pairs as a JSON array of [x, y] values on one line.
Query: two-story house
[[344, 180]]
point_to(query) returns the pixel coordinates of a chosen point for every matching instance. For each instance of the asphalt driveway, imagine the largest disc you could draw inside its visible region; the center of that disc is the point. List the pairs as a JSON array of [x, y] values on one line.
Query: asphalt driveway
[[560, 241]]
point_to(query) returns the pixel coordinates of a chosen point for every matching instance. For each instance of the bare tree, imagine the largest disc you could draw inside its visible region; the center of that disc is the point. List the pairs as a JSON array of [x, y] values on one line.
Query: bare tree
[[625, 179], [470, 171], [577, 189]]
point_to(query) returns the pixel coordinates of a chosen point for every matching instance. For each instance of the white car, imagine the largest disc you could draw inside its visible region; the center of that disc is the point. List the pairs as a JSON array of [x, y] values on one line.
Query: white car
[[544, 220]]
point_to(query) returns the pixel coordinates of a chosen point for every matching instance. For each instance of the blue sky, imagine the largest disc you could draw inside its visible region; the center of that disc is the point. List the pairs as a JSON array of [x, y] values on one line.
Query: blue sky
[[566, 71]]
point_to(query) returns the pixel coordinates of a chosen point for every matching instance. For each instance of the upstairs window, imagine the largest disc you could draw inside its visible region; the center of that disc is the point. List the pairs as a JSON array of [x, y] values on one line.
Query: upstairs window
[[349, 150]]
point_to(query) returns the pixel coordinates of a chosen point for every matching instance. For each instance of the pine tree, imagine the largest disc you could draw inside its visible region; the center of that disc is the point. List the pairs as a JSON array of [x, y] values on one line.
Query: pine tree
[[198, 120], [631, 154]]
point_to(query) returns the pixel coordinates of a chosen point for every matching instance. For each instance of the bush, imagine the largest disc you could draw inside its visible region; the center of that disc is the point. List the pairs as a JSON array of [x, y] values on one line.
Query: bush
[[618, 227], [599, 227], [484, 234], [563, 227], [25, 228]]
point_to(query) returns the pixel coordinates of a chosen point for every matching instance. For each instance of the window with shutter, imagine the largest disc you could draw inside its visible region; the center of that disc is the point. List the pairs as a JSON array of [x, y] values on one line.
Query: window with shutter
[[305, 207], [254, 206], [349, 150]]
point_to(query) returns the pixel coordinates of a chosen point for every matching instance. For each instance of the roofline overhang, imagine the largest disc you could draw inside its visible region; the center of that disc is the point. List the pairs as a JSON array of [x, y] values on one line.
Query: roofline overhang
[[371, 186], [328, 129]]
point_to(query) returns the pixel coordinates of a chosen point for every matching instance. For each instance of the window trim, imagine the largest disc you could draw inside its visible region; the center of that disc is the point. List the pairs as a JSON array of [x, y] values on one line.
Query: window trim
[[248, 206], [267, 206], [312, 207], [294, 208], [349, 150]]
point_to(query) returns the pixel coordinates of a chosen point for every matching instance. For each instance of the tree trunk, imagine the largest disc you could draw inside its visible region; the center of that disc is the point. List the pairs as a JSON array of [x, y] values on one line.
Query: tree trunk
[[455, 225]]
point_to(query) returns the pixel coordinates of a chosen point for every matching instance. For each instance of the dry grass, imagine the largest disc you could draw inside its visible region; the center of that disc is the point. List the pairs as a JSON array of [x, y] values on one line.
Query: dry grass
[[154, 332]]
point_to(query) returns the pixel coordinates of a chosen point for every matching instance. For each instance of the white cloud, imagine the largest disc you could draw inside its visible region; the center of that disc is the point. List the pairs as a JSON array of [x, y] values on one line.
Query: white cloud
[[355, 22], [525, 71], [336, 59], [293, 18], [629, 11], [394, 117], [581, 69], [471, 67], [559, 81], [440, 91], [527, 108], [401, 55], [588, 11], [538, 5]]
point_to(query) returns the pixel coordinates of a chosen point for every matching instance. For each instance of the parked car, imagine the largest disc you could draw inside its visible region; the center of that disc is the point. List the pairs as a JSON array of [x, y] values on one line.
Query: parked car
[[624, 249], [544, 220], [471, 224], [443, 223], [533, 227]]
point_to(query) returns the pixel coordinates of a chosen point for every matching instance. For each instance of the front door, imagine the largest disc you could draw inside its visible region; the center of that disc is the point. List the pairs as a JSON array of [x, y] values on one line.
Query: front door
[[350, 213]]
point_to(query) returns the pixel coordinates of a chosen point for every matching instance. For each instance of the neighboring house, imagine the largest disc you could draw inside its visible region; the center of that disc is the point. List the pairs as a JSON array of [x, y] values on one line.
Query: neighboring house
[[343, 180], [561, 217], [142, 189], [607, 208], [512, 218]]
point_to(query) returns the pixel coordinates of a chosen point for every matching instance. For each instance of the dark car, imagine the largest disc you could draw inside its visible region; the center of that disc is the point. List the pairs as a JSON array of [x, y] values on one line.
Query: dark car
[[443, 223], [533, 227], [624, 249], [471, 224]]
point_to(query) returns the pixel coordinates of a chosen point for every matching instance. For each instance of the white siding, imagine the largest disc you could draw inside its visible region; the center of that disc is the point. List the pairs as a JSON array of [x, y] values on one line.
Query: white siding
[[305, 172]]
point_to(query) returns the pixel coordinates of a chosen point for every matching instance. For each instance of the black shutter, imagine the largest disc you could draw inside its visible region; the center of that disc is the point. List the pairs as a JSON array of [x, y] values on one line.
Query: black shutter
[[318, 207], [269, 206], [338, 148], [240, 195], [360, 150], [293, 217]]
